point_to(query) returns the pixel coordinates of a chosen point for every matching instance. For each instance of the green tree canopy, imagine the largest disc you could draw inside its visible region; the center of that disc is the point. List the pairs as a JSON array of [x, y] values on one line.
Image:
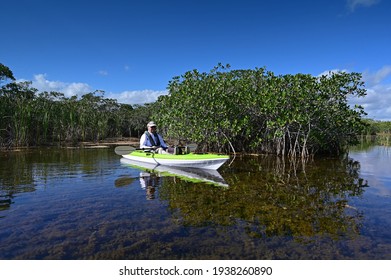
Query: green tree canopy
[[5, 73], [257, 111]]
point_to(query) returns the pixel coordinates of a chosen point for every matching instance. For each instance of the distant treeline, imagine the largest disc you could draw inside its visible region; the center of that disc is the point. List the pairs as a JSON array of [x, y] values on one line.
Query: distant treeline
[[223, 111], [377, 127], [30, 118]]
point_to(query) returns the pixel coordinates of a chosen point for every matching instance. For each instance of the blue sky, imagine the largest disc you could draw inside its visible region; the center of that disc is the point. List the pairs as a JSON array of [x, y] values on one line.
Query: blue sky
[[132, 49]]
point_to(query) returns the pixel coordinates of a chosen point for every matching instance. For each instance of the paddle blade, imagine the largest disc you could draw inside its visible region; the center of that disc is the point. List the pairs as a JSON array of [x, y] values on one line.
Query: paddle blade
[[123, 150], [123, 181]]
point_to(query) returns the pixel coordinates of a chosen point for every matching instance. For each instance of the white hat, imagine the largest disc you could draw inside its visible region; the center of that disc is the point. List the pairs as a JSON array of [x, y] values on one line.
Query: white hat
[[151, 124]]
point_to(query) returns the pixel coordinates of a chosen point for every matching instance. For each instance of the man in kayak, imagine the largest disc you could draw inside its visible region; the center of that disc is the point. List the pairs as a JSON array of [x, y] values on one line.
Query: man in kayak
[[153, 140]]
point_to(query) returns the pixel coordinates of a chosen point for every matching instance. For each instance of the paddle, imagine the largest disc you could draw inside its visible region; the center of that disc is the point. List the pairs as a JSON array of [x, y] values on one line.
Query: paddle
[[125, 150], [123, 181]]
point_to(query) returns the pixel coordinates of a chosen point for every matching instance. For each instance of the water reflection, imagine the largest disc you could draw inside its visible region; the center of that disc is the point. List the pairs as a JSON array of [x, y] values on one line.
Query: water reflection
[[148, 181], [196, 175], [275, 198], [375, 164], [82, 204], [27, 170], [151, 176]]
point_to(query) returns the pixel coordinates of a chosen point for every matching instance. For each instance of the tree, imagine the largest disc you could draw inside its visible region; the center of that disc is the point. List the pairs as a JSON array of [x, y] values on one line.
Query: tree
[[5, 73], [257, 111]]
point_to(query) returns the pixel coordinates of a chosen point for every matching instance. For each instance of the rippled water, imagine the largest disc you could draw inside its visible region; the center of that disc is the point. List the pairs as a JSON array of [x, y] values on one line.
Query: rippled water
[[88, 204]]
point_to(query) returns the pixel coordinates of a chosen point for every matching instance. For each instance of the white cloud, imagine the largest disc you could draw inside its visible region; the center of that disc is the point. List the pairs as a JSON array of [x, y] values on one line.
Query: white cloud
[[353, 4], [377, 102], [137, 96], [69, 89], [330, 72], [378, 76], [41, 83]]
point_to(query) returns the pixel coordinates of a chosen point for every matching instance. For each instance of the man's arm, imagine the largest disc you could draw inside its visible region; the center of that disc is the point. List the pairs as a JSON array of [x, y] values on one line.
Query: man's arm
[[162, 143], [142, 142]]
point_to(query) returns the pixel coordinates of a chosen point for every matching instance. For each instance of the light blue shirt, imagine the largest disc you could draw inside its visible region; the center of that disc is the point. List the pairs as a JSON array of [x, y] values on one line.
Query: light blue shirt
[[145, 143]]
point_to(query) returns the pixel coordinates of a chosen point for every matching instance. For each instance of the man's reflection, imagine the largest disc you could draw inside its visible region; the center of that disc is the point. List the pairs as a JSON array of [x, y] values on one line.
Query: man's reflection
[[149, 182]]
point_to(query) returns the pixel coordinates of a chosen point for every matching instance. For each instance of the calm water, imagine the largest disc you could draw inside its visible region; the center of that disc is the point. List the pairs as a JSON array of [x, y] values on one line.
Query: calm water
[[88, 204]]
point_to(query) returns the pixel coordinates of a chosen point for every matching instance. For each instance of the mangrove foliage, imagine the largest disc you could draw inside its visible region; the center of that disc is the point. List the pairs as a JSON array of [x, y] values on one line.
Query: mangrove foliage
[[258, 111]]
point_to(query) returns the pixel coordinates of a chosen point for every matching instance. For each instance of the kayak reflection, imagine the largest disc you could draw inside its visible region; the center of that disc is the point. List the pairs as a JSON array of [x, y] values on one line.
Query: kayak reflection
[[197, 175]]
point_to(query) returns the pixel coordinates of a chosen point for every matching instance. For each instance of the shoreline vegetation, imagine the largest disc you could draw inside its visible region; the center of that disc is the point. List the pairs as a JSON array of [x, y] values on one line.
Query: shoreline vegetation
[[226, 111], [102, 144]]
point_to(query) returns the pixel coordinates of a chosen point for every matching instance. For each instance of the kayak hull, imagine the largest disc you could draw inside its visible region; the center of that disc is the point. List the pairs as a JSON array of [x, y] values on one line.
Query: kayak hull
[[205, 161], [196, 175]]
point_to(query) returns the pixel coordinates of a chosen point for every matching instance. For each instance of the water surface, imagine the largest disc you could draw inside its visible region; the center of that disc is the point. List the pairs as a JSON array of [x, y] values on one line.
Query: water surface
[[88, 204]]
